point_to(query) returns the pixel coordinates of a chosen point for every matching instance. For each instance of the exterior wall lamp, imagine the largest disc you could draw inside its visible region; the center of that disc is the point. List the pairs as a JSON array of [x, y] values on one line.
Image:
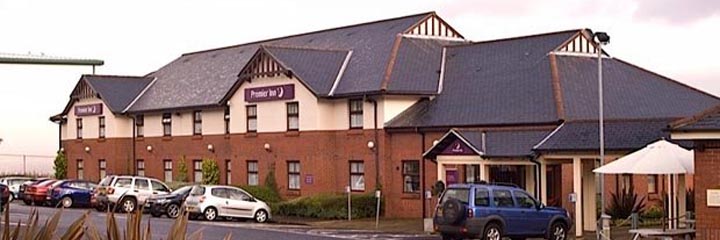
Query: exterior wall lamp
[[371, 145], [87, 149], [62, 150], [267, 147], [211, 148], [149, 148]]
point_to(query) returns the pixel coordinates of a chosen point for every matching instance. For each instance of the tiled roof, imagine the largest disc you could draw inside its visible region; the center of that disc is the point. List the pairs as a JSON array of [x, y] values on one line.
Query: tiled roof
[[417, 66], [708, 120], [619, 135], [489, 83], [204, 78], [496, 143], [117, 91], [318, 68], [629, 92]]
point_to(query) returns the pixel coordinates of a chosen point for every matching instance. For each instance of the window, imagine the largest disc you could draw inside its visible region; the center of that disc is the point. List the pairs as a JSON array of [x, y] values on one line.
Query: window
[[140, 125], [523, 200], [411, 176], [142, 184], [167, 168], [219, 192], [460, 194], [80, 169], [236, 194], [228, 172], [251, 118], [252, 168], [293, 169], [158, 187], [123, 183], [357, 176], [293, 116], [626, 183], [140, 167], [167, 124], [652, 183], [102, 165], [502, 198], [197, 123], [101, 127], [472, 173], [227, 120], [79, 128], [356, 113], [197, 170], [482, 197]]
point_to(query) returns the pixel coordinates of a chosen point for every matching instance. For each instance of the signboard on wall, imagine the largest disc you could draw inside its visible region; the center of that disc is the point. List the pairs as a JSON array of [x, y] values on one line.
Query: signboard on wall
[[88, 110], [309, 179], [458, 148], [270, 93], [713, 197]]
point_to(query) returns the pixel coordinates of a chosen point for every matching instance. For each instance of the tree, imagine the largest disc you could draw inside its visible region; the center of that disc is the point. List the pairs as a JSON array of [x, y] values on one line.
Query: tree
[[60, 165], [210, 172], [270, 181], [182, 175]]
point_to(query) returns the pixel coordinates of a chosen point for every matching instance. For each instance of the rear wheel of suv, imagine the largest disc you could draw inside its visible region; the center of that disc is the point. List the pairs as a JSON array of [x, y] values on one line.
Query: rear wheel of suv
[[493, 231], [558, 231], [128, 205]]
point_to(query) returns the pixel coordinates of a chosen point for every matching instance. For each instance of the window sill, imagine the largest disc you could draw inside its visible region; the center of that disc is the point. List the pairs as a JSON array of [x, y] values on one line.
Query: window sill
[[167, 138], [197, 137], [139, 139], [293, 192], [227, 136], [78, 140], [292, 133], [251, 134], [101, 140], [355, 131]]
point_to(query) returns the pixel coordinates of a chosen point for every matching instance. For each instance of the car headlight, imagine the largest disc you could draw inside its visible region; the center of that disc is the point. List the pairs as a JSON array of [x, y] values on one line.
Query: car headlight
[[163, 200]]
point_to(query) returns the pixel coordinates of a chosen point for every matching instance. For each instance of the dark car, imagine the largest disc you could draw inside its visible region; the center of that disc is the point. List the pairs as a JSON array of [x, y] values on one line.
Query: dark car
[[71, 193], [4, 196], [168, 204], [494, 212], [25, 185]]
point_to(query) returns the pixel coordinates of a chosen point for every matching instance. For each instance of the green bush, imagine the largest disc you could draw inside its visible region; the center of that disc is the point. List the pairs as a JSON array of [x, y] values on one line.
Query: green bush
[[175, 185], [210, 172], [182, 175], [626, 203], [60, 165], [654, 212], [329, 206], [263, 193]]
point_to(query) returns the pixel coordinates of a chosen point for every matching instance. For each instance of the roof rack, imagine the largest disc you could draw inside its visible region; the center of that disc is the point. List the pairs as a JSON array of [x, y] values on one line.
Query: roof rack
[[504, 184]]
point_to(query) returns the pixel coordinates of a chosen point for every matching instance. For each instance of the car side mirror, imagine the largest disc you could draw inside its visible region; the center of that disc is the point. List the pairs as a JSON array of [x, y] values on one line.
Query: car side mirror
[[540, 206]]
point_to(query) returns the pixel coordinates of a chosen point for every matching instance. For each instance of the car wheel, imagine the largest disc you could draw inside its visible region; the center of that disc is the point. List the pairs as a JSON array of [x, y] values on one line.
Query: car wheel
[[261, 216], [27, 202], [173, 210], [453, 210], [66, 202], [493, 231], [128, 205], [210, 214], [558, 231]]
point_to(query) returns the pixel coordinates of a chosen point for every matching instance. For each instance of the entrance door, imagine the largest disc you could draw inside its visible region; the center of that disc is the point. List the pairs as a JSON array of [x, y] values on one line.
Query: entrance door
[[451, 176], [554, 185], [508, 174]]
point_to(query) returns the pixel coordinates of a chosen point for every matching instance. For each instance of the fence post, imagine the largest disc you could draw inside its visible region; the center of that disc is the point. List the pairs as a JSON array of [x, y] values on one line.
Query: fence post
[[349, 202], [635, 220]]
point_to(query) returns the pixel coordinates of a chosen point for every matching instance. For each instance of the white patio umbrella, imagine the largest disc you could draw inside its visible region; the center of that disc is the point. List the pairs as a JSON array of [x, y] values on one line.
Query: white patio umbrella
[[660, 157]]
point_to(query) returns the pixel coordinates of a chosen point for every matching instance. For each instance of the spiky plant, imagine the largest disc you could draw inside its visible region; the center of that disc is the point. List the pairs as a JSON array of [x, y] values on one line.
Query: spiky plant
[[84, 228], [626, 203]]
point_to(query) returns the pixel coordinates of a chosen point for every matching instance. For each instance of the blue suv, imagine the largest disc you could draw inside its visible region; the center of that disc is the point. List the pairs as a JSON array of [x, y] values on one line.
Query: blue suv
[[493, 212]]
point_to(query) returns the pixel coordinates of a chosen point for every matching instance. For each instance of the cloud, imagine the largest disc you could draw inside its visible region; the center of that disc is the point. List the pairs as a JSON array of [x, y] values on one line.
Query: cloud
[[676, 11]]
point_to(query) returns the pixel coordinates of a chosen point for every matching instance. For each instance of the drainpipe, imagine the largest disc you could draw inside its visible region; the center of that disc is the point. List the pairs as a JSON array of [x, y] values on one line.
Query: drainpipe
[[377, 144], [422, 174], [538, 187], [134, 136]]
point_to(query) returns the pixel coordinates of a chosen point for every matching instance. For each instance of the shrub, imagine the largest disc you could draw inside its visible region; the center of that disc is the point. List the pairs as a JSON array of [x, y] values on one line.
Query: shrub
[[654, 212], [182, 175], [329, 206], [626, 203], [270, 181], [60, 165], [210, 172], [263, 193]]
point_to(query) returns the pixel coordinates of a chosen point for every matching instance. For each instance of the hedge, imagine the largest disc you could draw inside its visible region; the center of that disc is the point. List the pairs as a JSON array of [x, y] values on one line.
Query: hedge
[[263, 193], [329, 206]]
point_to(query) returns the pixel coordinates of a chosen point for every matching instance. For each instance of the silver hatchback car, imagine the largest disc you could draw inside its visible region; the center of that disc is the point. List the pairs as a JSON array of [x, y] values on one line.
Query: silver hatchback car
[[225, 201]]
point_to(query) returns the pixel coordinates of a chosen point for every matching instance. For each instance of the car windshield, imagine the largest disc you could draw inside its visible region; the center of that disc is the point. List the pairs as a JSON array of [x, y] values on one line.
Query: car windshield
[[45, 183], [55, 184], [197, 190], [461, 194], [182, 190]]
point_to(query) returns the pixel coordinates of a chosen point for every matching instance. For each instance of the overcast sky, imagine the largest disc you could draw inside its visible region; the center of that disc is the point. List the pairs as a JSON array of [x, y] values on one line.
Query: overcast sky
[[675, 38]]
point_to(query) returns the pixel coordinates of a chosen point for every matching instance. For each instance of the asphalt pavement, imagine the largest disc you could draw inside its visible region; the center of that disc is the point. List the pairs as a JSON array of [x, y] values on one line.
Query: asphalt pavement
[[210, 230]]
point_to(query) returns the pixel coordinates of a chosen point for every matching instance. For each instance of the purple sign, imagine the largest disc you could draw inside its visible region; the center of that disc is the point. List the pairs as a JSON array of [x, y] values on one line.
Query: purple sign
[[270, 93], [89, 110], [309, 179], [458, 148]]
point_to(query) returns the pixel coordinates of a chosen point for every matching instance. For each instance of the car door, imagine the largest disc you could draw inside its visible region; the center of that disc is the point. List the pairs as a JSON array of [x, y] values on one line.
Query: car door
[[505, 208], [141, 190], [221, 201], [240, 203], [532, 219]]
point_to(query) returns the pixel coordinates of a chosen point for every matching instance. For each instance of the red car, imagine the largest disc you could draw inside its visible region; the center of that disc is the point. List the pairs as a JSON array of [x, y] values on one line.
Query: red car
[[38, 192]]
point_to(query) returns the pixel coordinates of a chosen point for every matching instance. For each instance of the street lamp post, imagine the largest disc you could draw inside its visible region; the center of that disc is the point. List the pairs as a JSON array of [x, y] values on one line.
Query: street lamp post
[[602, 38]]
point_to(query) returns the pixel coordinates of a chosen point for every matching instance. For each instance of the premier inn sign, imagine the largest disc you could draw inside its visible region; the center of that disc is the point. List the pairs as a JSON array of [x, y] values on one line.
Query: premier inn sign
[[88, 110], [270, 93]]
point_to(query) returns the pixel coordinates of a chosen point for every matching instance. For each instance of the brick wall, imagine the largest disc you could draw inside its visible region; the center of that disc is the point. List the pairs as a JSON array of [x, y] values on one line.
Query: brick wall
[[707, 175]]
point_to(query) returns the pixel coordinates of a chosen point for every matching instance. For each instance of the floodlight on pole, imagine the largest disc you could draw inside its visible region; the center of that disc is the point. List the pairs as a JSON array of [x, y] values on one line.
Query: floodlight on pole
[[601, 38]]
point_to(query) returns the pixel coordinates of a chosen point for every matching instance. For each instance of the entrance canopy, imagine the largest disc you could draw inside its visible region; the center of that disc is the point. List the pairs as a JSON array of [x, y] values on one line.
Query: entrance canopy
[[487, 143], [661, 157]]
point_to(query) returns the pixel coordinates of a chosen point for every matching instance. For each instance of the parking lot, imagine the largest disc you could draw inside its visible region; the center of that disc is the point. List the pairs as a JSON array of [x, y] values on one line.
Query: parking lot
[[210, 230]]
